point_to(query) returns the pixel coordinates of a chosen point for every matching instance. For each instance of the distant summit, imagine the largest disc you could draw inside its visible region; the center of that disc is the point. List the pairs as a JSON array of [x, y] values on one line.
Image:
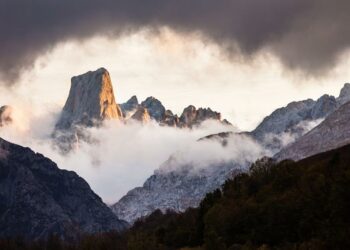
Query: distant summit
[[344, 95], [189, 118], [333, 132], [5, 115], [292, 119], [141, 115], [130, 106], [91, 100]]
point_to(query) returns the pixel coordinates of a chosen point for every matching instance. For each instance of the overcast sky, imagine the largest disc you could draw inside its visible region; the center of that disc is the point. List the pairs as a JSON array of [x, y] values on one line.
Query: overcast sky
[[179, 70], [243, 58]]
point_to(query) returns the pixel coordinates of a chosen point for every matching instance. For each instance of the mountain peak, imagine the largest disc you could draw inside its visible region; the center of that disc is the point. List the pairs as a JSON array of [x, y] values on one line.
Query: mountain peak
[[141, 115], [5, 115], [192, 116], [155, 108], [344, 95], [133, 100], [90, 101]]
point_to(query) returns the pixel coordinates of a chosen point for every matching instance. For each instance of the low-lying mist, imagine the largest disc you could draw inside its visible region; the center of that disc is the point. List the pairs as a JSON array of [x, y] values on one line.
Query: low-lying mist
[[125, 154]]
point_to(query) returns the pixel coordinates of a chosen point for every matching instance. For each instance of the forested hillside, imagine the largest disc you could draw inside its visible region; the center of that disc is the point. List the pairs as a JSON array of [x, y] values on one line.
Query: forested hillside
[[288, 205]]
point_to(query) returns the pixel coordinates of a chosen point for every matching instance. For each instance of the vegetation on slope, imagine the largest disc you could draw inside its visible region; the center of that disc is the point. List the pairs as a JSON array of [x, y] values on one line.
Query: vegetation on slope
[[288, 205]]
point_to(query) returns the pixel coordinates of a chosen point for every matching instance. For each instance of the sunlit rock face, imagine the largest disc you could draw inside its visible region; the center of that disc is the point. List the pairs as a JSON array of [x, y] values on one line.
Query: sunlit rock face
[[91, 100], [5, 115], [37, 199], [141, 115]]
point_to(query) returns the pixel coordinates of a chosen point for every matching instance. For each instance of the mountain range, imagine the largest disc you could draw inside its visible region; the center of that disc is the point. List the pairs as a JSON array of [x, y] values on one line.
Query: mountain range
[[38, 199], [174, 189], [91, 101]]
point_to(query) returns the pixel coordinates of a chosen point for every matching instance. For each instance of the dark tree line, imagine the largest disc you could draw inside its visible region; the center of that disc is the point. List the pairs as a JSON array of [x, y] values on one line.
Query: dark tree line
[[286, 205]]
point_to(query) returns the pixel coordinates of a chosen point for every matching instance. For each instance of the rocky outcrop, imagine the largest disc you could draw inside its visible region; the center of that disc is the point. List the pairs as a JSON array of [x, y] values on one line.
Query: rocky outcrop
[[332, 133], [296, 119], [38, 199], [189, 118], [174, 190], [5, 115], [130, 106], [179, 184], [141, 115], [155, 108], [90, 101], [170, 119], [344, 95]]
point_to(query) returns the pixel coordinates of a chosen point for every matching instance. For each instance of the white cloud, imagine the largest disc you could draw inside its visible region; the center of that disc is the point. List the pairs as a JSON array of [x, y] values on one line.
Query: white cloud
[[125, 154]]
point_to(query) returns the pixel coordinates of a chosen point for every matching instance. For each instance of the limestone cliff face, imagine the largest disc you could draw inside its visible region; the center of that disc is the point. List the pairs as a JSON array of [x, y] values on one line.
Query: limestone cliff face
[[91, 100]]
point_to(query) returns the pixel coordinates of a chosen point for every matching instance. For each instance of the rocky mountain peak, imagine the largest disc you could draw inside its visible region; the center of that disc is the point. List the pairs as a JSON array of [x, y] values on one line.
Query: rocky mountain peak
[[325, 105], [191, 116], [133, 100], [5, 115], [332, 133], [90, 101], [344, 95], [155, 108], [131, 105], [141, 115]]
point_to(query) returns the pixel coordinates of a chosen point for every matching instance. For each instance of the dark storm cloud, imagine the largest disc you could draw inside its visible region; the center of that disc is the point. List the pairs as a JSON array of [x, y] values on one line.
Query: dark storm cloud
[[307, 35]]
